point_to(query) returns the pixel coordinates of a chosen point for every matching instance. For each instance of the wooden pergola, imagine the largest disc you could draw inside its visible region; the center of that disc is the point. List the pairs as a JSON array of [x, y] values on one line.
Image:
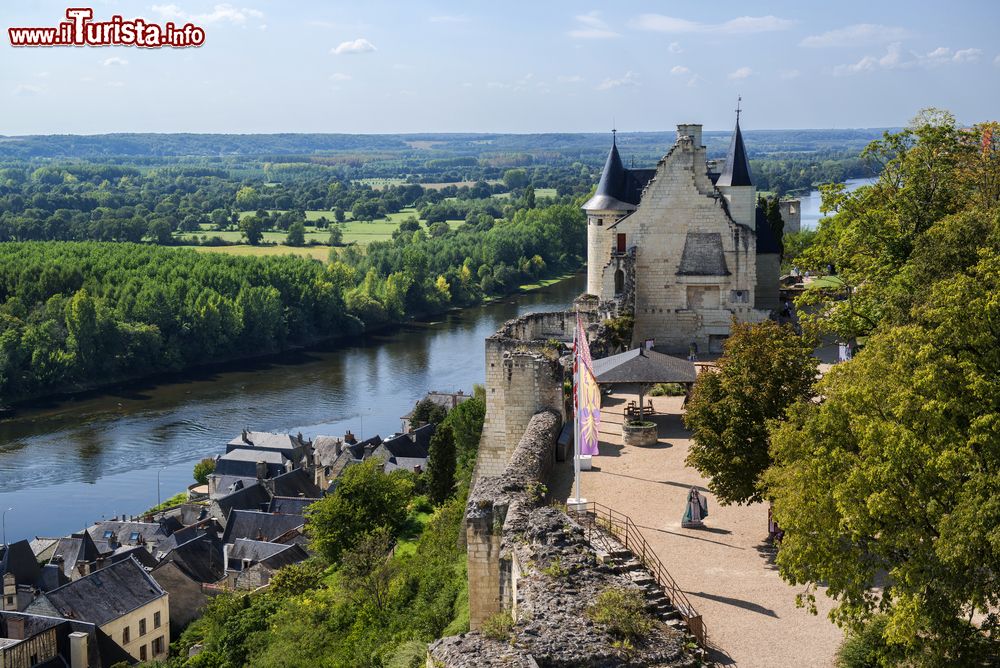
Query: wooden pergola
[[643, 368]]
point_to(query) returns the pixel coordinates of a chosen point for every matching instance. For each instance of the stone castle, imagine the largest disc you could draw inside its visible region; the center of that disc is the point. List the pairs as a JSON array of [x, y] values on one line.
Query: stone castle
[[683, 247]]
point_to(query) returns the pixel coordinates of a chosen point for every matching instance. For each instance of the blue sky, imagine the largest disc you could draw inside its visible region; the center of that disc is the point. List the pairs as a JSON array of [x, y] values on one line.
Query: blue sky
[[415, 66]]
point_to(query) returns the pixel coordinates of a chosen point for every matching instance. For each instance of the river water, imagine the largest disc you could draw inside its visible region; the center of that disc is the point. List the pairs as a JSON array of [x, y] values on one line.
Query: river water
[[811, 202], [67, 464]]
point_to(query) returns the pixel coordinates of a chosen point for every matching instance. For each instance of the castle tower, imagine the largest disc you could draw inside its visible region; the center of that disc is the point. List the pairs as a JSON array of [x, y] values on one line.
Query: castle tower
[[736, 184], [617, 195]]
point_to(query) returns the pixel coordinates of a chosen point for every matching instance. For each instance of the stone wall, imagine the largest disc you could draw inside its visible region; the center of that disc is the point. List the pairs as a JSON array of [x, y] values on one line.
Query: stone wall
[[532, 562]]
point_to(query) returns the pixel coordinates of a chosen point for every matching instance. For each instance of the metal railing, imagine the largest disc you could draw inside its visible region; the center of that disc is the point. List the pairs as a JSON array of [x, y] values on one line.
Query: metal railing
[[597, 518]]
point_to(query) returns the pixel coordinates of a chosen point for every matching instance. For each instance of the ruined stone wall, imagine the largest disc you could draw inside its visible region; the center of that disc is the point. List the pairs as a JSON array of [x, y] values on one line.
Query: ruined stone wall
[[495, 503]]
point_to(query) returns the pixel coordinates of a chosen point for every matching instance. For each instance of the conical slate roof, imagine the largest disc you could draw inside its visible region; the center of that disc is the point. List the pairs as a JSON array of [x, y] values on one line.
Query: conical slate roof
[[619, 188], [737, 169]]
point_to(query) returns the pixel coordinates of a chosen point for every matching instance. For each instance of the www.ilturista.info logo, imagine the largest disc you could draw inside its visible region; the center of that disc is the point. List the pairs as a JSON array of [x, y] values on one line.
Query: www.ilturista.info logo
[[81, 30]]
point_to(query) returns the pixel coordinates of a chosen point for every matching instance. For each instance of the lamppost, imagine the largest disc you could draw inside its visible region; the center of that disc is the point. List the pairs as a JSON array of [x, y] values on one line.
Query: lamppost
[[4, 522], [366, 411], [158, 484]]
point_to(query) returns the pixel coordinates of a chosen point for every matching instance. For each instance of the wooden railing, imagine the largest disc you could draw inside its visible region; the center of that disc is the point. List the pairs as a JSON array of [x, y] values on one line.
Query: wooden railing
[[595, 518]]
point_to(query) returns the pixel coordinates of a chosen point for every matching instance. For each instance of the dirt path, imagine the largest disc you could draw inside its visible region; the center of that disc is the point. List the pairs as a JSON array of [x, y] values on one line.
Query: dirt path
[[726, 568]]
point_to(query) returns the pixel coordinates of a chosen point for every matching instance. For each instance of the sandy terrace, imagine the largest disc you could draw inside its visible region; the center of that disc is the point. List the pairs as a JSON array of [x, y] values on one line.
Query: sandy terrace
[[726, 568]]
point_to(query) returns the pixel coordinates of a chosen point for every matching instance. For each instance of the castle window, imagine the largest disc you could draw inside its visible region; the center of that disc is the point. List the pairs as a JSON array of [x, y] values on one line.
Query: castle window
[[621, 243], [619, 282], [739, 296]]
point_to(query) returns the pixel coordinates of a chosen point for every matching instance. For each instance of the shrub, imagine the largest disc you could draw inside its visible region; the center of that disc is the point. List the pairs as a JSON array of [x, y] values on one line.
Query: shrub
[[203, 469], [622, 612], [498, 627]]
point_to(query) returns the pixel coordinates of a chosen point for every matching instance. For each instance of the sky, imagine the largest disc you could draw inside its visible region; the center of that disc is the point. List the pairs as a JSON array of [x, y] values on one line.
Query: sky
[[544, 66]]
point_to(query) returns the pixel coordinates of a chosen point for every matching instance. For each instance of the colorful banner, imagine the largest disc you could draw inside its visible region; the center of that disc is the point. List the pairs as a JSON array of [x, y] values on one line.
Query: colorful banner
[[586, 395]]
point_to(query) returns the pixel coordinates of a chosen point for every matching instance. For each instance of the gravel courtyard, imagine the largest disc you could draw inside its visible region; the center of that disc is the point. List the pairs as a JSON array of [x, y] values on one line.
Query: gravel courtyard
[[725, 568]]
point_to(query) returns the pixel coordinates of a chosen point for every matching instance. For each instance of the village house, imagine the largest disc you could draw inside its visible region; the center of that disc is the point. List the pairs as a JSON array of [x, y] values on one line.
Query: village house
[[447, 400], [122, 600], [28, 641], [184, 571]]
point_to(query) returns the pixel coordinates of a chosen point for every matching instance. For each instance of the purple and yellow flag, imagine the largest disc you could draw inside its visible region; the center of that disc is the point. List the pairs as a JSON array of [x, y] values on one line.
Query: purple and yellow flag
[[586, 395]]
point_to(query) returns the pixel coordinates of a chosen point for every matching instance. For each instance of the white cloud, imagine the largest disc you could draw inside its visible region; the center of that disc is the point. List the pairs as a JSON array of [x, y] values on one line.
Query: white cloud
[[630, 79], [742, 25], [860, 34], [741, 73], [360, 45], [679, 69], [114, 60], [789, 74], [340, 76], [448, 18], [675, 47], [220, 13], [895, 59], [28, 89], [571, 78], [592, 26], [695, 81], [967, 55]]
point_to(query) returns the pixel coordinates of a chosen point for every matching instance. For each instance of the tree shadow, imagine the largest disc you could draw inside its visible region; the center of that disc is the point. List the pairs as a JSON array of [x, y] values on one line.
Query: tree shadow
[[768, 551]]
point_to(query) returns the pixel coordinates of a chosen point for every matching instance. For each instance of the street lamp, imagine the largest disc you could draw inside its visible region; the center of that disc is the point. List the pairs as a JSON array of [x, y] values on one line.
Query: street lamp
[[158, 484], [3, 516], [361, 436]]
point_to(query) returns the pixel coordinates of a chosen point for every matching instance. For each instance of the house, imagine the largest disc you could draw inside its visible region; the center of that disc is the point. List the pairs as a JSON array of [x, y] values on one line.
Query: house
[[77, 555], [245, 465], [681, 247], [406, 451], [259, 526], [296, 449], [183, 572], [43, 547], [448, 400], [290, 505], [19, 575], [250, 564], [333, 456], [250, 497], [294, 483], [27, 641], [122, 600], [112, 535]]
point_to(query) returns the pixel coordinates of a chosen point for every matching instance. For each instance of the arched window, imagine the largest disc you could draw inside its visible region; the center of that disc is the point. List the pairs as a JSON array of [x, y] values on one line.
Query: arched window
[[619, 282]]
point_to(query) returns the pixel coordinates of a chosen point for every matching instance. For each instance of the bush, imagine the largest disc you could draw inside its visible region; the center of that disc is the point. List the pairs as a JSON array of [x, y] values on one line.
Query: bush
[[498, 627], [668, 390], [203, 469], [622, 612]]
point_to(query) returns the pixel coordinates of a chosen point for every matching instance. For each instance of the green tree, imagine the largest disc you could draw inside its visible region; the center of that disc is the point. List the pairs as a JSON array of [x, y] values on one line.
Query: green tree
[[296, 234], [441, 464], [367, 568], [247, 199], [764, 369], [203, 469], [365, 499], [889, 489], [252, 229], [428, 411], [159, 230], [776, 222], [515, 179], [336, 235]]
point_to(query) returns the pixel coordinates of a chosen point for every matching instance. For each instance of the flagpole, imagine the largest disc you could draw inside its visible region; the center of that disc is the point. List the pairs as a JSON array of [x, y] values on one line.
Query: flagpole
[[577, 403]]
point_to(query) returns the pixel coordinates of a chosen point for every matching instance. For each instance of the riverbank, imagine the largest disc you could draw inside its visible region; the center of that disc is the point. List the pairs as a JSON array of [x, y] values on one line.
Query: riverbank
[[64, 464], [11, 409]]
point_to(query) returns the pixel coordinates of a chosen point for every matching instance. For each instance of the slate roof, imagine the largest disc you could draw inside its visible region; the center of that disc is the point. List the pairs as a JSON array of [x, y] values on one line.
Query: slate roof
[[703, 255], [254, 550], [405, 446], [42, 547], [297, 482], [258, 525], [128, 533], [17, 558], [199, 558], [619, 188], [137, 552], [737, 169], [106, 594], [77, 548], [767, 243], [251, 497], [290, 505], [243, 462], [643, 366], [405, 463], [265, 440], [325, 449]]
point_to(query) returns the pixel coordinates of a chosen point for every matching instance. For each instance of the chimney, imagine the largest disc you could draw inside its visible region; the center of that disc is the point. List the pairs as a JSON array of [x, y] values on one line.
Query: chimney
[[15, 628], [692, 130], [246, 437], [349, 438], [339, 446]]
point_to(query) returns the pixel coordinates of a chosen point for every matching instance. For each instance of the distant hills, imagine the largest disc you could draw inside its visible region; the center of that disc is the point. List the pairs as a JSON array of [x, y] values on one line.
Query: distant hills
[[640, 146]]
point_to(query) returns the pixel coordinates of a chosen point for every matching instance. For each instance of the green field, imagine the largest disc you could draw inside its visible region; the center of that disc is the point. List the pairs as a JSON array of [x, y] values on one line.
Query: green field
[[539, 193], [355, 232]]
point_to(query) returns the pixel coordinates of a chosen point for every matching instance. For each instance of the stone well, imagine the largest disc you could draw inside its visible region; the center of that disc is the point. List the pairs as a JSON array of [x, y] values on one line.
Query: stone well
[[642, 434]]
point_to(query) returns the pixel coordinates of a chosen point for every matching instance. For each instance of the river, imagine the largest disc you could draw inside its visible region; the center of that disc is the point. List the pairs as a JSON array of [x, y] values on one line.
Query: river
[[811, 202], [69, 463]]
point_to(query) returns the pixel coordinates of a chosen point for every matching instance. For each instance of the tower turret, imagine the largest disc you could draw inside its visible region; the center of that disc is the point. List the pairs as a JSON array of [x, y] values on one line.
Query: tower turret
[[735, 183]]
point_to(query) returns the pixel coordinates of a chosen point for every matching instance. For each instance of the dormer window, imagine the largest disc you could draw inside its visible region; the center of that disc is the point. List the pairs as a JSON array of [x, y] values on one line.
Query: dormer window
[[134, 536], [109, 534]]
